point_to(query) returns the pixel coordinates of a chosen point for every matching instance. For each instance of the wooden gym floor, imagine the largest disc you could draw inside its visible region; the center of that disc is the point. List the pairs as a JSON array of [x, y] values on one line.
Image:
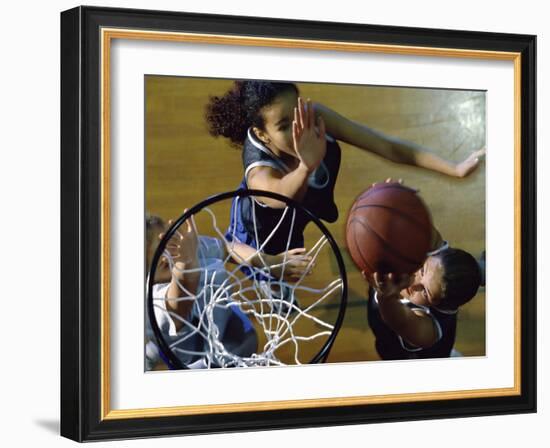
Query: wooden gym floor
[[184, 165]]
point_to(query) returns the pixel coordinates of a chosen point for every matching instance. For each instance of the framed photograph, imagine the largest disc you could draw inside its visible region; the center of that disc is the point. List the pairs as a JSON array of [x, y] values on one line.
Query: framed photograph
[[274, 223]]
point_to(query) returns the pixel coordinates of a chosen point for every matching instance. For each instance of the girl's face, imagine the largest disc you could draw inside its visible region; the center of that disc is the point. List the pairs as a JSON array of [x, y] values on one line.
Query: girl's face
[[428, 286], [278, 117]]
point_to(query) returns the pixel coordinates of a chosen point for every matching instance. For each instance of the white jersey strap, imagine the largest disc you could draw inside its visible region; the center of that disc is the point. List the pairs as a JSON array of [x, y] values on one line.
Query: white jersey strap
[[277, 164], [258, 144], [444, 245]]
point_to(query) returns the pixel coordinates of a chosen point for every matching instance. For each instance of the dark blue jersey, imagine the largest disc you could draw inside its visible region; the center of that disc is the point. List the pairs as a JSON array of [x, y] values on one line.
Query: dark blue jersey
[[390, 345], [253, 223]]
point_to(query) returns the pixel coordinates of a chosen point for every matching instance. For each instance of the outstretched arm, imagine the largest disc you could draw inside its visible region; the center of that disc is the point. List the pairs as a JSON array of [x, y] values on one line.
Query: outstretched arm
[[393, 148], [182, 250], [292, 185]]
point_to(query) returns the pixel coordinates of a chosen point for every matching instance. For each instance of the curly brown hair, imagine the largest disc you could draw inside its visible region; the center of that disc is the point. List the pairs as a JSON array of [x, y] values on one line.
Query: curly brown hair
[[239, 108]]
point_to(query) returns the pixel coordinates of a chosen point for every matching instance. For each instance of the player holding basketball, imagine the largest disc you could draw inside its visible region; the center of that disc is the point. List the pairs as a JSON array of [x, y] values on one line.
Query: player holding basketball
[[193, 270], [415, 316], [290, 147]]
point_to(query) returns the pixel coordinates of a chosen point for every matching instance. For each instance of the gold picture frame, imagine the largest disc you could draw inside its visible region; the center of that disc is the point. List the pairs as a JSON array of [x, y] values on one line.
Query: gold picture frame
[[87, 37]]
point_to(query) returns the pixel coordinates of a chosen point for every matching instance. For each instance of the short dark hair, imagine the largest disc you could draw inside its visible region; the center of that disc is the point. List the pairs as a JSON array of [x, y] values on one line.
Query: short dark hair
[[461, 277]]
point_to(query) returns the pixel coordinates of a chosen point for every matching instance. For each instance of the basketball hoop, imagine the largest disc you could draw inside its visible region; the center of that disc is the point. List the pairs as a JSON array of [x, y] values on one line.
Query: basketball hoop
[[248, 314]]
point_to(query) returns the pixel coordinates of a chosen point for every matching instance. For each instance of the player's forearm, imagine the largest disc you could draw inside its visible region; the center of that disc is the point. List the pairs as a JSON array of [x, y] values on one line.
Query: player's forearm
[[182, 285], [242, 253], [400, 151], [391, 148], [416, 329], [413, 154], [357, 134], [394, 313], [293, 185]]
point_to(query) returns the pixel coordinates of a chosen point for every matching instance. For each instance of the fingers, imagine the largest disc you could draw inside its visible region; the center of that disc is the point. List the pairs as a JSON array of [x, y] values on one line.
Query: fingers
[[306, 137], [193, 227], [295, 133], [378, 280], [300, 114], [300, 266], [173, 250], [391, 282], [178, 270], [189, 226], [467, 167], [304, 114], [470, 163], [299, 250], [322, 128], [176, 233], [384, 283], [389, 180], [472, 160], [305, 258], [301, 263], [305, 110], [479, 152], [296, 272], [173, 245], [311, 114], [188, 222], [163, 262]]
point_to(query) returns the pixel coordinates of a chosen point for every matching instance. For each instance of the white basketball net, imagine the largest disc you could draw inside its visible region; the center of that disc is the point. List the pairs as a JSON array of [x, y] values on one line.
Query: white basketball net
[[282, 327]]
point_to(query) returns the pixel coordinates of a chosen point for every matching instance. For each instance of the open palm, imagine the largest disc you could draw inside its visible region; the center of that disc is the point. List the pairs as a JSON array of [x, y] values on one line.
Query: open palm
[[309, 144]]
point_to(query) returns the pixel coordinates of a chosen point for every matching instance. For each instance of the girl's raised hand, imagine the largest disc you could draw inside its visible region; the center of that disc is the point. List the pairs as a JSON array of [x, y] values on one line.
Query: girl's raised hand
[[182, 247], [309, 144], [469, 164]]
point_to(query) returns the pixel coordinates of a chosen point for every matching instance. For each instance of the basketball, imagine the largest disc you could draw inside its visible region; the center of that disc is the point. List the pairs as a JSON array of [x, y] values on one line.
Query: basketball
[[389, 229]]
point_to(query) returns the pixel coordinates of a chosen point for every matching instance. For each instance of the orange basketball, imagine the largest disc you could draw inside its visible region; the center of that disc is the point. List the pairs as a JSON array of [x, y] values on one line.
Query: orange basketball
[[389, 229]]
